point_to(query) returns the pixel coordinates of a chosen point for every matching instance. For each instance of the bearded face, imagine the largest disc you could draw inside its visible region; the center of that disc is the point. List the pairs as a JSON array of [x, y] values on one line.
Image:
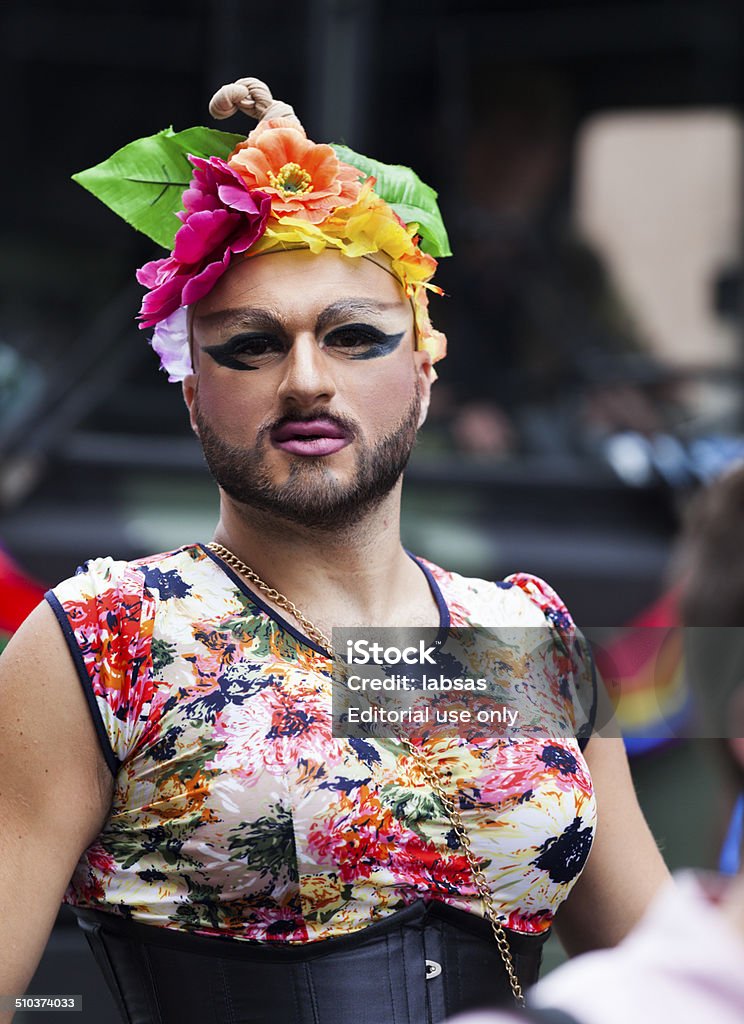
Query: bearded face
[[308, 391], [311, 494]]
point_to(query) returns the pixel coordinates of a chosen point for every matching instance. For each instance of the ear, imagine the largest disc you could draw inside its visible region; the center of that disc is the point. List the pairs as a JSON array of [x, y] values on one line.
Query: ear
[[190, 387], [424, 374]]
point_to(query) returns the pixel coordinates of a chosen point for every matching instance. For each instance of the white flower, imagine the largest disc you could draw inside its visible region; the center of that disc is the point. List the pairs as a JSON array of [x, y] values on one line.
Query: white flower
[[171, 342]]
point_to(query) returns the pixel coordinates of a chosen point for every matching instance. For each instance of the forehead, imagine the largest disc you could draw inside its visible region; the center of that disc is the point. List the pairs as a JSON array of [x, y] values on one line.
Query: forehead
[[302, 282]]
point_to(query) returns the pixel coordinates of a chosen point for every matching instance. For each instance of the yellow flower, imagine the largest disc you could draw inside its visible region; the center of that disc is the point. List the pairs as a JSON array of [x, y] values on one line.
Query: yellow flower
[[319, 892], [368, 226]]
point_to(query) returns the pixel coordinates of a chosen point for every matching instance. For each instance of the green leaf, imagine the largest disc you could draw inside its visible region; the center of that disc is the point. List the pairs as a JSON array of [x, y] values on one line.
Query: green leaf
[[163, 654], [412, 807], [268, 844], [412, 200], [143, 181]]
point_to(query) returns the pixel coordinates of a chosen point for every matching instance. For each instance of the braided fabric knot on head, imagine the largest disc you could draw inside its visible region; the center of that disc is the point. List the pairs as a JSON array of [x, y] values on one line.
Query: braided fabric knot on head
[[251, 96]]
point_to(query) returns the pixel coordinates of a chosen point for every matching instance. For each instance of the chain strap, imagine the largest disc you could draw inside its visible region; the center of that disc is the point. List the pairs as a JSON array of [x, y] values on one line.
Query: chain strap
[[420, 760], [283, 602], [476, 870]]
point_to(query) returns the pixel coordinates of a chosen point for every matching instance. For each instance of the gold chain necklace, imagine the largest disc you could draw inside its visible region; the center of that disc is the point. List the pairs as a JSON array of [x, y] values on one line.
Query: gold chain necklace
[[419, 758], [283, 602]]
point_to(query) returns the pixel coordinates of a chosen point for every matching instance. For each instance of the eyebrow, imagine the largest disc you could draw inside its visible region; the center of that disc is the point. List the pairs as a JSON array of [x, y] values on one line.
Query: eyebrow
[[238, 319], [346, 309], [255, 317]]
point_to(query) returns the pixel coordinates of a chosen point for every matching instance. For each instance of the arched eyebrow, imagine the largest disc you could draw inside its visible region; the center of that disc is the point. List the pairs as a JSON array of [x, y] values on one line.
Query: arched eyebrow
[[248, 317], [351, 309], [255, 318]]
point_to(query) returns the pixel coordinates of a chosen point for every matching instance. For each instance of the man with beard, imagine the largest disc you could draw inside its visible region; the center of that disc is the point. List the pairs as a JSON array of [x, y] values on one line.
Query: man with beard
[[228, 856]]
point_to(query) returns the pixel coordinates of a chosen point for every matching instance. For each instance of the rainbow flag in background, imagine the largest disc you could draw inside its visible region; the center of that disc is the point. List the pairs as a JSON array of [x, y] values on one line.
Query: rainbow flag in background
[[654, 703], [644, 670]]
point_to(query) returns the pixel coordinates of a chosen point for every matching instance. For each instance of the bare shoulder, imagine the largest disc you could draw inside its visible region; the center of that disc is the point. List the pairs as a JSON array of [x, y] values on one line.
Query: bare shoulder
[[51, 764], [54, 794]]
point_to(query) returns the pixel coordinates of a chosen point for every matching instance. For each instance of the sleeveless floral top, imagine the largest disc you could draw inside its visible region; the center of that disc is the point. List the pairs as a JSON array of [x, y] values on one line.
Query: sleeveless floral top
[[237, 813]]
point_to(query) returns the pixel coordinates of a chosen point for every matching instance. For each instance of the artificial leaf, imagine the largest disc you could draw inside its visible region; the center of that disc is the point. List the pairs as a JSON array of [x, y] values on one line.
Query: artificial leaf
[[144, 180], [406, 193]]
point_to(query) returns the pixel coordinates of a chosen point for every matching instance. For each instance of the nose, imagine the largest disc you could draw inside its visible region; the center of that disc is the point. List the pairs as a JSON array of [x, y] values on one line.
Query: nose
[[307, 376]]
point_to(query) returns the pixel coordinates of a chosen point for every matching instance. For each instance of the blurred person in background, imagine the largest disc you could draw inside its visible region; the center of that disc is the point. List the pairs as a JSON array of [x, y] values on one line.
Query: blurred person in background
[[684, 962], [227, 856], [552, 354]]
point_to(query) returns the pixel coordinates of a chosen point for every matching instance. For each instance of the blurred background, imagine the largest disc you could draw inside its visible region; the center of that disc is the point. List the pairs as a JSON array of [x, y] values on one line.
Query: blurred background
[[590, 161]]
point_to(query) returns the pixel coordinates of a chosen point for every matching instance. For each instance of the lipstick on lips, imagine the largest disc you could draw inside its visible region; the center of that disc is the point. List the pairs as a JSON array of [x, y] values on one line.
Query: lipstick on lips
[[320, 436]]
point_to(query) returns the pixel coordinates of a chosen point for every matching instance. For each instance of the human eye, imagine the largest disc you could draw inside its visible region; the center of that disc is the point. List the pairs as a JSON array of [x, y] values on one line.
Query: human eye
[[361, 341], [244, 351]]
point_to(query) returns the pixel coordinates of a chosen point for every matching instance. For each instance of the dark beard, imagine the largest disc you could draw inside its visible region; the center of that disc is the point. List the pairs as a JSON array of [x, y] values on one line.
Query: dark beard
[[310, 496]]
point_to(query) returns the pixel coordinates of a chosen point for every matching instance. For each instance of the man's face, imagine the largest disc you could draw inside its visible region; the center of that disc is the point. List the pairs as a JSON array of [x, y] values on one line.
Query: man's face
[[307, 392]]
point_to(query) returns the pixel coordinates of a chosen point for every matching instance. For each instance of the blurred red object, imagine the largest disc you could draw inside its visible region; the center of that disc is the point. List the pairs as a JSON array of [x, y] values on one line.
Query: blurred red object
[[19, 595]]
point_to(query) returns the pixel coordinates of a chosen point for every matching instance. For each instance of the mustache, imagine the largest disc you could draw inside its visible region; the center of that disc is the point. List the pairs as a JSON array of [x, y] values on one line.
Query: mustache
[[344, 423]]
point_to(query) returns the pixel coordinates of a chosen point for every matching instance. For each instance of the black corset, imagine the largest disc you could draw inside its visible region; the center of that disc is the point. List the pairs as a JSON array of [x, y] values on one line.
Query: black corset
[[420, 965]]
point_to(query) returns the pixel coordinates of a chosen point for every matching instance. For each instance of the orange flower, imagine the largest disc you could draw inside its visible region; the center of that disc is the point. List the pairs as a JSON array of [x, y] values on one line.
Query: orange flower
[[304, 179], [178, 797]]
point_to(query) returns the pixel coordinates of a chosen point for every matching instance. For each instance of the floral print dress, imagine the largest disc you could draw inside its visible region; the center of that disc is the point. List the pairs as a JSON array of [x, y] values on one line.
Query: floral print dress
[[237, 813]]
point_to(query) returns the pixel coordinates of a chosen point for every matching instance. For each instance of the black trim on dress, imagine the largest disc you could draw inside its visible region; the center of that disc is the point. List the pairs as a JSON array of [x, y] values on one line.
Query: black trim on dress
[[112, 760]]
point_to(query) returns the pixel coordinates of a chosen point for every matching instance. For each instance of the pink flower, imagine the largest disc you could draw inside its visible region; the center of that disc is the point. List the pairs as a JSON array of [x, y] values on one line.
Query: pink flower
[[273, 732], [528, 764], [220, 218]]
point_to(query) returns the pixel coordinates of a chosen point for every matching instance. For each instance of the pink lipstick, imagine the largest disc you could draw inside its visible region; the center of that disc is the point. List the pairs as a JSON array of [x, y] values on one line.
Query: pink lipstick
[[316, 437]]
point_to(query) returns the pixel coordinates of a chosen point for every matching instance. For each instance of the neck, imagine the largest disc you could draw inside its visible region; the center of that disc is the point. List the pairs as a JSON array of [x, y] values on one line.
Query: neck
[[356, 574]]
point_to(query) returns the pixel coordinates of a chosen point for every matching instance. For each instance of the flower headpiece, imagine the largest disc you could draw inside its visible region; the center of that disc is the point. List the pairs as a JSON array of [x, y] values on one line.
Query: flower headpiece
[[274, 190]]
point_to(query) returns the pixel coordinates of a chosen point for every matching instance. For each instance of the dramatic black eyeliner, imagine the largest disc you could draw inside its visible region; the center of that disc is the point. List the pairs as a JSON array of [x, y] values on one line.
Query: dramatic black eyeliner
[[234, 352], [227, 353], [380, 344]]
